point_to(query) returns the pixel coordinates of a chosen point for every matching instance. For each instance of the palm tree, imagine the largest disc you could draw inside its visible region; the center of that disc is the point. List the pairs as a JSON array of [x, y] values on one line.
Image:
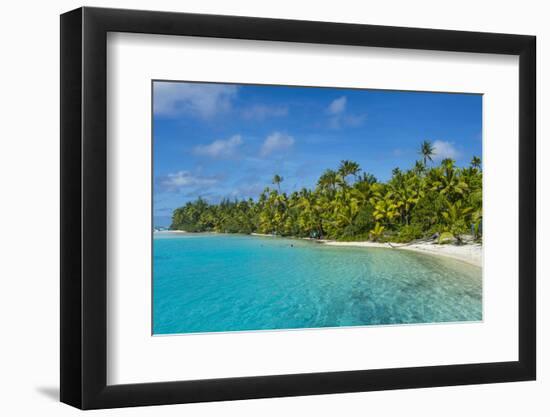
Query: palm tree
[[347, 205], [419, 168], [407, 192], [328, 180], [447, 180], [426, 150], [348, 168], [455, 220], [414, 202], [384, 207], [448, 163], [367, 178], [376, 233], [476, 162], [277, 180]]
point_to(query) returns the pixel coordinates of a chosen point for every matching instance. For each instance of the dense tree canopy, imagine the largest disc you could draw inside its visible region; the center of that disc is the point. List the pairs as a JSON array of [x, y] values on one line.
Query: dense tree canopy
[[349, 205]]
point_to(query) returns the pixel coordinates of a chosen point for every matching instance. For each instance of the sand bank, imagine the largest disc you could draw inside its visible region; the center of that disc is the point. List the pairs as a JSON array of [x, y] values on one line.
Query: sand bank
[[471, 253]]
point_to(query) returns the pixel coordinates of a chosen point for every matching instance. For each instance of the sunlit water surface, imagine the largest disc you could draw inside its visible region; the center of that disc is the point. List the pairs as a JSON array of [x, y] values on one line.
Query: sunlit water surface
[[213, 283]]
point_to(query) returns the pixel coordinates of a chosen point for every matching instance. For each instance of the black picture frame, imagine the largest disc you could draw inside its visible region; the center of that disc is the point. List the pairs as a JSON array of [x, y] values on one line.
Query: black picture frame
[[84, 207]]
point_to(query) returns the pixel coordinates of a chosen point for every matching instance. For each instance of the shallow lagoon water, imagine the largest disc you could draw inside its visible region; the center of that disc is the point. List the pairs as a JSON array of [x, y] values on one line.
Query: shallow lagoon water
[[218, 283]]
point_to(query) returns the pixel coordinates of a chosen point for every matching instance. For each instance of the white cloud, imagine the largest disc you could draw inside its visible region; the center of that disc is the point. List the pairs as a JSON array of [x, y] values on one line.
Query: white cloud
[[220, 148], [275, 142], [340, 117], [202, 100], [337, 106], [184, 179], [346, 120], [444, 150], [354, 120], [261, 112]]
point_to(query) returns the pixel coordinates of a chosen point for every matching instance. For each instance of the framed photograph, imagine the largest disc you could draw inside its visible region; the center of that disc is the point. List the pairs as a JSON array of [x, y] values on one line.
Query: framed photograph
[[257, 208]]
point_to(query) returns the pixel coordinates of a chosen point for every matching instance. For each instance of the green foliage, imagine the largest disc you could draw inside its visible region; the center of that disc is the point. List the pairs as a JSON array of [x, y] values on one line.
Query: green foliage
[[408, 233], [455, 219], [345, 205], [426, 151], [377, 232], [445, 237], [277, 180]]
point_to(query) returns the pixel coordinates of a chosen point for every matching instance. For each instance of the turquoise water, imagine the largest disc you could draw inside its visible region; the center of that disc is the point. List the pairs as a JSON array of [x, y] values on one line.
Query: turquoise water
[[214, 283]]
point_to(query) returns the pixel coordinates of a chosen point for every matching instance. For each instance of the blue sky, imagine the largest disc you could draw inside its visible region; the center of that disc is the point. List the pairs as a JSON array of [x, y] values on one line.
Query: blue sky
[[227, 141]]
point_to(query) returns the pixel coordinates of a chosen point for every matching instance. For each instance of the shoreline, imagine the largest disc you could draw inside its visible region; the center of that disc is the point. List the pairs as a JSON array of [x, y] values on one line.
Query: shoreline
[[470, 253]]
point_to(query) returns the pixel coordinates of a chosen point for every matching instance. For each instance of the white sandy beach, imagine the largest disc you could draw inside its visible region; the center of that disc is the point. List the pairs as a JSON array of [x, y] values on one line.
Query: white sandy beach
[[471, 253]]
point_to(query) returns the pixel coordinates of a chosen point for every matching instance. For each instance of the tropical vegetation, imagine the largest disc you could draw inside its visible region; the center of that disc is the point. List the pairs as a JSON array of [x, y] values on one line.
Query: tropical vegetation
[[440, 201]]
